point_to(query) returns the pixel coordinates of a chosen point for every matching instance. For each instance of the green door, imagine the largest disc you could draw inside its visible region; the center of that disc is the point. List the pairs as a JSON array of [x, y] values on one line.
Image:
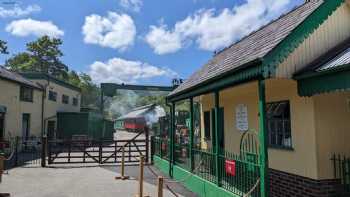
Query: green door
[[221, 128], [25, 126]]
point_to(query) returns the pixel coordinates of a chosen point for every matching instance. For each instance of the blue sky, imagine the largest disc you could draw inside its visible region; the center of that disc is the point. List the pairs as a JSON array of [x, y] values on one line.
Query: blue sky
[[136, 41]]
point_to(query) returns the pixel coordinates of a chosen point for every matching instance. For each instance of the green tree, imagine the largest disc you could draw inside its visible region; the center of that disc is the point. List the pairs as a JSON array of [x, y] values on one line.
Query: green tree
[[43, 55], [90, 92], [3, 47], [22, 62]]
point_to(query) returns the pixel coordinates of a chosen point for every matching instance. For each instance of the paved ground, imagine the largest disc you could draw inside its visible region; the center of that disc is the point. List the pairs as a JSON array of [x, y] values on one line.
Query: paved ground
[[77, 181], [82, 180]]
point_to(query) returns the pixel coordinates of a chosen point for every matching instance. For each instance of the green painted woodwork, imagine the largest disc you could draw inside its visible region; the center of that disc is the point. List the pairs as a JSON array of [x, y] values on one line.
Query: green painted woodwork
[[109, 89], [194, 183], [217, 137], [172, 140], [235, 77], [324, 82], [191, 126], [119, 124], [83, 123], [298, 35], [264, 178]]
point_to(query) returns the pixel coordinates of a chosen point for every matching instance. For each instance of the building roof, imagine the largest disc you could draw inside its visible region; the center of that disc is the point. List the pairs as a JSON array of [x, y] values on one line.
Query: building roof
[[38, 75], [336, 58], [251, 48], [137, 112], [17, 78], [328, 73]]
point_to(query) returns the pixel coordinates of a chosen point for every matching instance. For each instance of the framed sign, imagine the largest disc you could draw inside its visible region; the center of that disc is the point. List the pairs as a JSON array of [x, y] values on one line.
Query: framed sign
[[242, 117]]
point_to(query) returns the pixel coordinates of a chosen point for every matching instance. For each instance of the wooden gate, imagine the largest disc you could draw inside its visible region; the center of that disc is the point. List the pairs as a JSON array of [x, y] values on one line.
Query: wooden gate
[[97, 151]]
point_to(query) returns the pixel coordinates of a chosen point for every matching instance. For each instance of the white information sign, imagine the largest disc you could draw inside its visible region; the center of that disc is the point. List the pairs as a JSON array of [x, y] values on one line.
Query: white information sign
[[242, 117]]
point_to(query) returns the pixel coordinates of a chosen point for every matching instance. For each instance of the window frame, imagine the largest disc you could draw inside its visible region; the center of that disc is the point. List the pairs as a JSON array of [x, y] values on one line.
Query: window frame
[[278, 132], [65, 99], [23, 97], [75, 101], [55, 96]]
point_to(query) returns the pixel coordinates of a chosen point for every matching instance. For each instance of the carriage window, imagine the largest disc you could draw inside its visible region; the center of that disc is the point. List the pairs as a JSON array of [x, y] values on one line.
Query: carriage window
[[207, 125], [278, 124]]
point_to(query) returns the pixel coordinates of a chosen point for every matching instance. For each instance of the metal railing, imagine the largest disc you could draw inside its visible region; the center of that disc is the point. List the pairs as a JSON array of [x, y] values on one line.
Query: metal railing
[[341, 168], [245, 178]]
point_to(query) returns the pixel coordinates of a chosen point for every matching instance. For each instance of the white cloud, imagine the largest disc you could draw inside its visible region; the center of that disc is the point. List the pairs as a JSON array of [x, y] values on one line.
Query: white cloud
[[116, 31], [163, 41], [17, 11], [134, 5], [119, 70], [211, 30], [26, 27]]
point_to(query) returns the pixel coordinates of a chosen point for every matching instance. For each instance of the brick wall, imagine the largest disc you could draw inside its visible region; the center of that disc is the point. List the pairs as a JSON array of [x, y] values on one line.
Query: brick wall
[[283, 184]]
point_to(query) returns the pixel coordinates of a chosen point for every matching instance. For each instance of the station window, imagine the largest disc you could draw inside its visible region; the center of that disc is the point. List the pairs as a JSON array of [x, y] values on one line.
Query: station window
[[75, 101], [26, 94], [52, 95], [279, 124], [207, 125], [65, 99]]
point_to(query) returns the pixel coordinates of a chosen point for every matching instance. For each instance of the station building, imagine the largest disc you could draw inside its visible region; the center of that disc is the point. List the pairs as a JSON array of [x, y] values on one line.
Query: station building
[[274, 111]]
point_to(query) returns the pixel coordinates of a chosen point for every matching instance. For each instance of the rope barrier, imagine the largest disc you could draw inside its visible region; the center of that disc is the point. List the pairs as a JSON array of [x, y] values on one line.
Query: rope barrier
[[252, 189]]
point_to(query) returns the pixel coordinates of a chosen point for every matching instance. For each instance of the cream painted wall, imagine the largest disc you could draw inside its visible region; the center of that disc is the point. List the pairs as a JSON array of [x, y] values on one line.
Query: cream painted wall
[[302, 160], [332, 116], [331, 33], [15, 108], [52, 107]]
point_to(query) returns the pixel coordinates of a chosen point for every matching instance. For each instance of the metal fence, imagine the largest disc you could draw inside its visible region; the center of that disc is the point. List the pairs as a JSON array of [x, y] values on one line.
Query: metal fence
[[22, 152], [341, 167], [241, 180]]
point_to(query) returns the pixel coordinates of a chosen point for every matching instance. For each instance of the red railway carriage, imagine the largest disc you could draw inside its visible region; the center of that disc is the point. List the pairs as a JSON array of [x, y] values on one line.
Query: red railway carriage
[[135, 124]]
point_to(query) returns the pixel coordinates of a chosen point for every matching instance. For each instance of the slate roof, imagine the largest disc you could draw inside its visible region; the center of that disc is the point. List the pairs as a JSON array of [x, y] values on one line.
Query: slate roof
[[17, 78], [251, 48]]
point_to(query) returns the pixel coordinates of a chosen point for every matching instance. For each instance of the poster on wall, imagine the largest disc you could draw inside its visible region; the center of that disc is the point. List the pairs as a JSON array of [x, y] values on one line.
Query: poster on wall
[[242, 117]]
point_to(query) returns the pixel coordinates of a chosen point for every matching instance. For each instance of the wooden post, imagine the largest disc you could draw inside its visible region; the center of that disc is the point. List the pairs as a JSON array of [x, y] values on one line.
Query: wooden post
[[140, 193], [147, 143], [264, 177], [43, 151], [191, 135], [100, 151], [16, 150], [160, 186], [122, 177], [2, 166]]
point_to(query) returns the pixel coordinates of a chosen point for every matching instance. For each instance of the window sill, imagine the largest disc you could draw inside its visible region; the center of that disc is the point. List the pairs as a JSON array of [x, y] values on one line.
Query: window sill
[[281, 148], [26, 101]]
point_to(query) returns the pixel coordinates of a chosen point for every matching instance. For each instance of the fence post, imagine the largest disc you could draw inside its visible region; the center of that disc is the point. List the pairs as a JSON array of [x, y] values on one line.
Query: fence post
[[43, 151], [140, 193], [2, 166], [147, 144], [100, 152], [160, 186], [264, 176], [16, 150], [191, 135], [152, 148], [122, 177]]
